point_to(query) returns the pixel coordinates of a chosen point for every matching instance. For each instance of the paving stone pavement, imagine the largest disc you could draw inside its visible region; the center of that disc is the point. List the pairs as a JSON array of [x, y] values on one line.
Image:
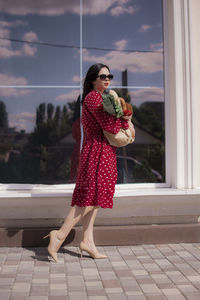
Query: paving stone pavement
[[152, 272]]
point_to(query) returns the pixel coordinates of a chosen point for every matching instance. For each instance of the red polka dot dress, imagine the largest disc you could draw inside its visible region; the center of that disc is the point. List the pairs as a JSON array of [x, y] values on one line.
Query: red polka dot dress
[[97, 176]]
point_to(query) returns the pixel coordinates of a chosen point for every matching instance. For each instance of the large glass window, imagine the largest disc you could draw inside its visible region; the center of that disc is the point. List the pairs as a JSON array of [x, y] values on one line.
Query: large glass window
[[45, 50]]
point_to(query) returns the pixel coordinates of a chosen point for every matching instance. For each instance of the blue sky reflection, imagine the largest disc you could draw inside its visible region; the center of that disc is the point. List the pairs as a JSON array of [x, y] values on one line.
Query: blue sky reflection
[[126, 34]]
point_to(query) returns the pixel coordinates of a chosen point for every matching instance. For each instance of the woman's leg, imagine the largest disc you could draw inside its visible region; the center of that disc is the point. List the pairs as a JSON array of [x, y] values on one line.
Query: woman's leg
[[87, 243], [57, 237], [88, 228], [74, 216]]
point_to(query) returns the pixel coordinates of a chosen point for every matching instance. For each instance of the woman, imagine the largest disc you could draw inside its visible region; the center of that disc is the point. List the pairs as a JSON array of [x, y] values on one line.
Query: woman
[[97, 174]]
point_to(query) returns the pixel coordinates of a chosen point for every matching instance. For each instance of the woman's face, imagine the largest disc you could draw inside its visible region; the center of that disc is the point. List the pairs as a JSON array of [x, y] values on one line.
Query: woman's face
[[100, 84]]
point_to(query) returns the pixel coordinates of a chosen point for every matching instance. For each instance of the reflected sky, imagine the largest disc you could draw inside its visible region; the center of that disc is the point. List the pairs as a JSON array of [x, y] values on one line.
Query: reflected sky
[[126, 34], [26, 101]]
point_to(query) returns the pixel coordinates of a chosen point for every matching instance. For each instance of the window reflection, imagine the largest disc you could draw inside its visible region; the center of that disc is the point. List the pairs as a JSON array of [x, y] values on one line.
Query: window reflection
[[39, 45], [130, 42], [144, 160], [41, 143], [40, 129]]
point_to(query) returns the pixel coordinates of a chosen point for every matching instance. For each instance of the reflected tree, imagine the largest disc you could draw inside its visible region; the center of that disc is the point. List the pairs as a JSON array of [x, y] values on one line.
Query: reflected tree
[[3, 117], [53, 124]]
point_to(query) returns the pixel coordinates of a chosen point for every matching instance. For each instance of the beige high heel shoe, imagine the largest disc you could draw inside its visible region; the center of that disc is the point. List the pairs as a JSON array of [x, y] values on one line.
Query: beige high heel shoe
[[54, 244], [95, 255]]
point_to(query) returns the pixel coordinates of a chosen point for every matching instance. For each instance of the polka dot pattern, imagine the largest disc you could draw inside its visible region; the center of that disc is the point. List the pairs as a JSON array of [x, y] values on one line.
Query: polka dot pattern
[[97, 176]]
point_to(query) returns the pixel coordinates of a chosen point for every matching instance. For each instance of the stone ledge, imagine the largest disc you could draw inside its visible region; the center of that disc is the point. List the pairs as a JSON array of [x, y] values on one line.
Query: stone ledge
[[107, 235]]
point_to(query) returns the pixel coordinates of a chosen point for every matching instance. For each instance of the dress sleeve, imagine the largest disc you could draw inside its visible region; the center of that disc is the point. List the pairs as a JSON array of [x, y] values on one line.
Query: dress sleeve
[[105, 121]]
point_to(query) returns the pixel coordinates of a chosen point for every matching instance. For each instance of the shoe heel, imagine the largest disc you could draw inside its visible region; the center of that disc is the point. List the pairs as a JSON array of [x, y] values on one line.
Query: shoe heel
[[81, 253], [46, 236]]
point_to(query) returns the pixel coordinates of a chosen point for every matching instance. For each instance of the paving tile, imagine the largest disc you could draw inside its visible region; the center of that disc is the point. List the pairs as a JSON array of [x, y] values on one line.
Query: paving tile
[[150, 288], [150, 267], [56, 298], [145, 280], [123, 273], [151, 272], [171, 291], [55, 292], [115, 296], [194, 278], [21, 287], [160, 278], [97, 298], [114, 290], [39, 291], [176, 297], [139, 272], [38, 298], [5, 295], [157, 297], [77, 295], [111, 283], [192, 296], [18, 296], [108, 275], [186, 288], [96, 292], [136, 297]]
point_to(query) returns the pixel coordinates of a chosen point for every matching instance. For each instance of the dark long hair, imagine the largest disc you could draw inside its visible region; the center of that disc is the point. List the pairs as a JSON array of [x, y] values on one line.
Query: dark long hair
[[91, 75]]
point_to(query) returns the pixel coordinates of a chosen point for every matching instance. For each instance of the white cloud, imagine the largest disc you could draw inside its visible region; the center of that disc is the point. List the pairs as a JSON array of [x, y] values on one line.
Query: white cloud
[[155, 94], [76, 79], [144, 28], [14, 23], [28, 50], [6, 50], [120, 10], [12, 81], [60, 7], [136, 62], [68, 97], [4, 34], [22, 121], [121, 45], [16, 92], [30, 36], [156, 46], [5, 53]]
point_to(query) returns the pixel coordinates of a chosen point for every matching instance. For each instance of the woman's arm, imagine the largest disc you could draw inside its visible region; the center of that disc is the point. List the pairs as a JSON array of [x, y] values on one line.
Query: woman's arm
[[105, 121]]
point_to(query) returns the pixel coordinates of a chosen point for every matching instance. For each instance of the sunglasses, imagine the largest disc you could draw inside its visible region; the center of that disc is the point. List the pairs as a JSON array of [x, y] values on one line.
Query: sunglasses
[[104, 76]]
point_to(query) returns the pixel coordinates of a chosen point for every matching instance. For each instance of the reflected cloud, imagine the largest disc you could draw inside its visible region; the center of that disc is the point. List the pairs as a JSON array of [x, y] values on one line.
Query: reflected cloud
[[7, 80], [60, 7], [68, 97], [144, 28], [76, 79], [22, 121], [136, 62], [156, 46], [4, 33], [30, 36], [8, 92], [13, 23], [12, 80], [154, 94], [120, 10], [26, 50], [121, 45], [5, 53], [6, 50]]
